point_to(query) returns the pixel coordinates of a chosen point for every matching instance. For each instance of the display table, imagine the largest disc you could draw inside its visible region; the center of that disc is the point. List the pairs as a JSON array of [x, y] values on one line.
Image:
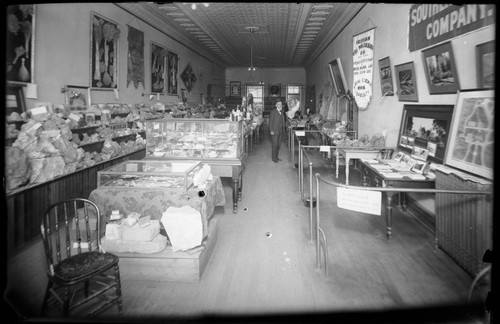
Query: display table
[[353, 153], [373, 176], [155, 201]]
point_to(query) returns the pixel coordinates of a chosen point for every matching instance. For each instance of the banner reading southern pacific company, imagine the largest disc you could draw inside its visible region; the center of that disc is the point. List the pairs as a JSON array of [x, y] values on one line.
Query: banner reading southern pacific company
[[434, 23]]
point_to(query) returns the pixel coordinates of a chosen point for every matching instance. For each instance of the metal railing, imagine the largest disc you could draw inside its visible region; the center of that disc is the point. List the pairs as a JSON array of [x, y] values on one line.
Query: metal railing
[[317, 234]]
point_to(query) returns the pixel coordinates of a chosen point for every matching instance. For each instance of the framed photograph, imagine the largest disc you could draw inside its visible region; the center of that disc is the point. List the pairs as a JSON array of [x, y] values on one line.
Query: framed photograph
[[485, 61], [158, 60], [425, 127], [89, 119], [235, 89], [419, 167], [188, 77], [471, 146], [386, 84], [104, 36], [172, 73], [419, 153], [440, 69], [338, 77], [275, 90], [410, 163], [20, 38], [399, 156], [77, 98], [406, 82]]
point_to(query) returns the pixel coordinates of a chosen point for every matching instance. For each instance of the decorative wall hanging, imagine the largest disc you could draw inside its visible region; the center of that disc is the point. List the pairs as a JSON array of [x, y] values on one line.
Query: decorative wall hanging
[[406, 82], [275, 90], [235, 89], [425, 127], [431, 24], [485, 58], [77, 97], [20, 43], [158, 58], [338, 77], [173, 71], [386, 84], [103, 53], [440, 69], [471, 146], [188, 77], [135, 66], [362, 67]]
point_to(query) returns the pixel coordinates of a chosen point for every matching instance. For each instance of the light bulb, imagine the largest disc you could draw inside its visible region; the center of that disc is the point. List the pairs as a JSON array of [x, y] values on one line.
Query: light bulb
[[206, 4], [193, 6], [249, 68]]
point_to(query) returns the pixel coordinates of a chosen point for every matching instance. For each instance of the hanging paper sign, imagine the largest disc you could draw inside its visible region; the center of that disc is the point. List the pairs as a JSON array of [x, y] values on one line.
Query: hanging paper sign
[[435, 23], [362, 67], [363, 201]]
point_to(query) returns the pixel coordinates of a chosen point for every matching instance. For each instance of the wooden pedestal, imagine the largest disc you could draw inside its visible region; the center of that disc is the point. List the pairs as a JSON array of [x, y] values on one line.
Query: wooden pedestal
[[169, 265]]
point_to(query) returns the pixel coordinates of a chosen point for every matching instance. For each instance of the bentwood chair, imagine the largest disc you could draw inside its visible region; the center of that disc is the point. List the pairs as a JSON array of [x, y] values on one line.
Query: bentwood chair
[[83, 279]]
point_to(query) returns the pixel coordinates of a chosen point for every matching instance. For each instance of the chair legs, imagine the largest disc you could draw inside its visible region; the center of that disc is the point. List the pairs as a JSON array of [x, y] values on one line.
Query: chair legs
[[118, 288], [69, 294]]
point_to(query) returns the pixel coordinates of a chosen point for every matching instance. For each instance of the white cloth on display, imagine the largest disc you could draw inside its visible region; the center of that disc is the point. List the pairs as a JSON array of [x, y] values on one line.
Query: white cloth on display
[[183, 226]]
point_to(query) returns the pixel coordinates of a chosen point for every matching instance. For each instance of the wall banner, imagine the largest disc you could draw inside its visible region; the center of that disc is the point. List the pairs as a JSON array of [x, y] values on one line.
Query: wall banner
[[434, 23], [362, 67]]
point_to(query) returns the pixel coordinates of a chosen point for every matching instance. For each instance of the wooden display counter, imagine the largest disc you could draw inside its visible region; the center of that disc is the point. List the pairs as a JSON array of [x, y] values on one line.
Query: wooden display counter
[[184, 266]]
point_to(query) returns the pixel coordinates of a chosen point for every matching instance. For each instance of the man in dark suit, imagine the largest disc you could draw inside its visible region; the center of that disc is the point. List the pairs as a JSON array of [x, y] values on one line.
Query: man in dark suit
[[276, 123]]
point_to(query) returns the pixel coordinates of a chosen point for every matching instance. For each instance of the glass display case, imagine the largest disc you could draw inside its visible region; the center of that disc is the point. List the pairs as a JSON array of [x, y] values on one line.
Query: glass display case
[[149, 174], [199, 139]]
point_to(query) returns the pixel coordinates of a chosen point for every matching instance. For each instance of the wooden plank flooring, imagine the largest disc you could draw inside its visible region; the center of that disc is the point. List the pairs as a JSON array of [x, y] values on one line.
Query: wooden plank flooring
[[264, 263]]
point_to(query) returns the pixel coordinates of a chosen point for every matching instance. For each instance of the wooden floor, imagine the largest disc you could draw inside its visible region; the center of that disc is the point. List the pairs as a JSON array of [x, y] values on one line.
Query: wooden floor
[[264, 264]]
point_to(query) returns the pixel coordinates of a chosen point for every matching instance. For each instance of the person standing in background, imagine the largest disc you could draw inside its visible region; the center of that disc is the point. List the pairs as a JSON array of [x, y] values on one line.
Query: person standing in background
[[276, 123]]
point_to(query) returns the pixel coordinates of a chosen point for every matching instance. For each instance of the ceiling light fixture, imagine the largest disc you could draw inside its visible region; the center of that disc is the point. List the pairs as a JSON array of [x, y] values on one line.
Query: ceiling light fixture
[[193, 5], [251, 30]]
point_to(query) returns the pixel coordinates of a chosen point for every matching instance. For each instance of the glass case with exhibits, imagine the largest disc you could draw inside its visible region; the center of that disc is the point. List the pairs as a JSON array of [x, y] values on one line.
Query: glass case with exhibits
[[198, 139], [149, 174]]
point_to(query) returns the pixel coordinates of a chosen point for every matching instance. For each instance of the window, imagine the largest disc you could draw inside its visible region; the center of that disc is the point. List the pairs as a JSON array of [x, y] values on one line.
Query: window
[[293, 92], [257, 92]]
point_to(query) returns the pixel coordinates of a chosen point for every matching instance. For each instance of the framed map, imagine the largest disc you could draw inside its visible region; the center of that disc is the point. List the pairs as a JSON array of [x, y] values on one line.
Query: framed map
[[472, 137]]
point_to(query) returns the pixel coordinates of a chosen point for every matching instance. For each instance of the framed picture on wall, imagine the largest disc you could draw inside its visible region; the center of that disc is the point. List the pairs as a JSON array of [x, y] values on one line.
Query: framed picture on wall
[[440, 69], [172, 73], [20, 42], [77, 97], [158, 60], [406, 82], [485, 61], [422, 125], [274, 90], [235, 89], [386, 84], [103, 53], [338, 77], [471, 146]]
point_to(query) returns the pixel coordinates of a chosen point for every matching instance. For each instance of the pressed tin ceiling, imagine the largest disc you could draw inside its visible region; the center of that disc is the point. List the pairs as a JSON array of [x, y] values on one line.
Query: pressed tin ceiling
[[285, 34]]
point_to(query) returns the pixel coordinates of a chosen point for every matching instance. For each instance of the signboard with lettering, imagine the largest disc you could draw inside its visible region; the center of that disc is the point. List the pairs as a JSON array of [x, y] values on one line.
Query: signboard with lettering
[[362, 67], [434, 23], [364, 201]]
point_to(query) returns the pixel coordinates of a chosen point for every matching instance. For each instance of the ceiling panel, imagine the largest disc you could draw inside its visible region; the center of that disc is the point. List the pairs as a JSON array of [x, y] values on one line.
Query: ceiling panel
[[280, 34]]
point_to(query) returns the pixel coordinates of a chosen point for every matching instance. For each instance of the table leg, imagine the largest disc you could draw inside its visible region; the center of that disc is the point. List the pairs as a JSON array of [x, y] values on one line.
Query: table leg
[[347, 169], [337, 163], [403, 200], [240, 186], [388, 220], [235, 195]]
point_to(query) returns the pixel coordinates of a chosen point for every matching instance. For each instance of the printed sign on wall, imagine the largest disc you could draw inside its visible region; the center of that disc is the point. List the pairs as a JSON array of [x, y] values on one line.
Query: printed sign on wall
[[362, 67], [434, 23]]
